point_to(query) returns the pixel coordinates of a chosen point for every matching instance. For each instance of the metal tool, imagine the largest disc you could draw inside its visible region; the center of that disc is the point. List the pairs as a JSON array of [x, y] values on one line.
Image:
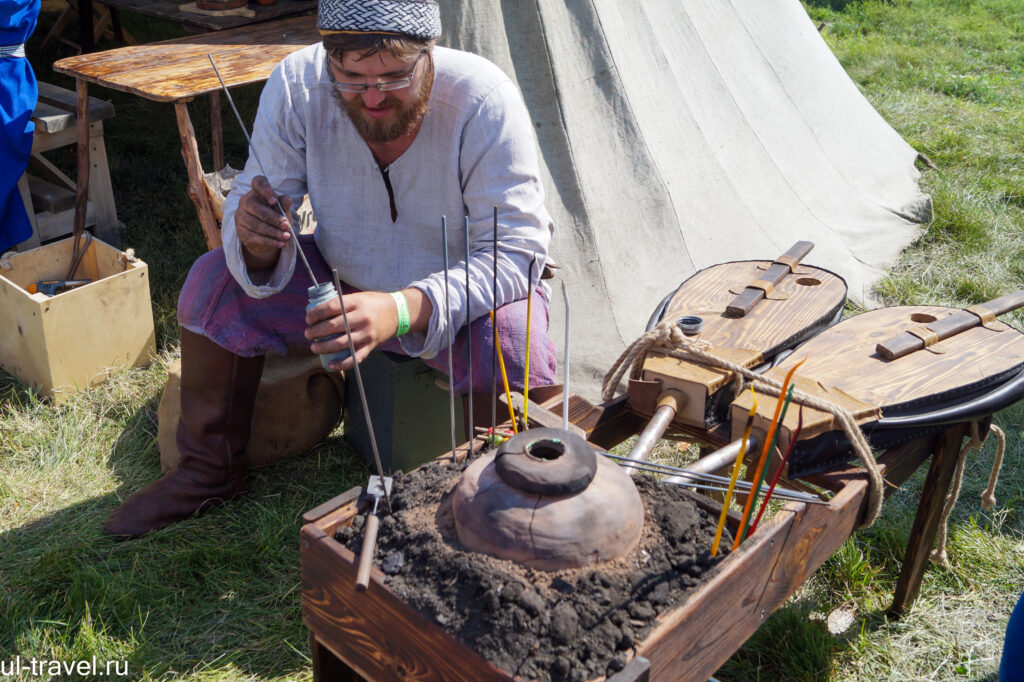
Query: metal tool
[[469, 346], [686, 477], [256, 156], [52, 287], [359, 386], [448, 333], [494, 326], [379, 486], [565, 380]]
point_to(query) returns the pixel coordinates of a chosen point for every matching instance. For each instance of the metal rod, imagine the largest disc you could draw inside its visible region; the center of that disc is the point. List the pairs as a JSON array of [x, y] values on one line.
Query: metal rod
[[652, 433], [784, 495], [703, 479], [494, 327], [256, 156], [359, 385], [565, 380], [723, 457], [448, 333], [529, 333], [470, 422]]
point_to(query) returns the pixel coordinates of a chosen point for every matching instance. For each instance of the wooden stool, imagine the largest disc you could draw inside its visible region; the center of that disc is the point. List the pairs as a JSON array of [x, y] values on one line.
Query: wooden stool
[[49, 194]]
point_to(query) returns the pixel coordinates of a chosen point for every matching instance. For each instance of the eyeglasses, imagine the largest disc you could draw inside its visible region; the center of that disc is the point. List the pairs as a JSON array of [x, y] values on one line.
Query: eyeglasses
[[382, 86]]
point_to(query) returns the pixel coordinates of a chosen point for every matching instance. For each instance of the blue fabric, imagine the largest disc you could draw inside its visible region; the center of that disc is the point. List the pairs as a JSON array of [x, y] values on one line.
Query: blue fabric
[[18, 94], [1011, 668]]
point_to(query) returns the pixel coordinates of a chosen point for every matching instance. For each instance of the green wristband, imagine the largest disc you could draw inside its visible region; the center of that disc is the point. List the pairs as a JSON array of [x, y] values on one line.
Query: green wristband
[[403, 313]]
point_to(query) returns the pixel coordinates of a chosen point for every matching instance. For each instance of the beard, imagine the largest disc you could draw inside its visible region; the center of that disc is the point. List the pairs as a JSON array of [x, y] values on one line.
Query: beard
[[400, 122]]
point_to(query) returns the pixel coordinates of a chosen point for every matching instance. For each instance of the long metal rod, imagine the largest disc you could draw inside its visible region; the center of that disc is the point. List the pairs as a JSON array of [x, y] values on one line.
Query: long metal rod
[[362, 392], [494, 327], [565, 380], [703, 479], [470, 422], [786, 494], [256, 156], [448, 334]]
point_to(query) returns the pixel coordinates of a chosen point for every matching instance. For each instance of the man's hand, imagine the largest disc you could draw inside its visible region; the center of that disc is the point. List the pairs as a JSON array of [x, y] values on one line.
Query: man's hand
[[261, 228], [372, 318]]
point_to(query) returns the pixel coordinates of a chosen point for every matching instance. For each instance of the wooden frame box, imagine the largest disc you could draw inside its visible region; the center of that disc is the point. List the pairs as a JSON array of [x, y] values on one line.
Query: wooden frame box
[[64, 343], [375, 635]]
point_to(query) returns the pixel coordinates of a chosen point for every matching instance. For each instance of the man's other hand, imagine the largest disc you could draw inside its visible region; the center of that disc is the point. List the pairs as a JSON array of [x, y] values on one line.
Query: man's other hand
[[261, 228], [372, 318]]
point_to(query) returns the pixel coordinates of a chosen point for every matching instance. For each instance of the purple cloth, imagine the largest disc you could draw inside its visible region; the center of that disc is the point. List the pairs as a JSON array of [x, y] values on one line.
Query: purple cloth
[[212, 303]]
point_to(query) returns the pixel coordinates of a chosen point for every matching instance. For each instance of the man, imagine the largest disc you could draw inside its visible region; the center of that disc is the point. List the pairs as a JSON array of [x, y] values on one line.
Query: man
[[387, 133]]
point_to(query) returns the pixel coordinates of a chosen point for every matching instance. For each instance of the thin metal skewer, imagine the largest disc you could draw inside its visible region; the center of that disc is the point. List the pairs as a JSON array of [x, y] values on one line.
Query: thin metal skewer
[[256, 156], [565, 380], [469, 346], [705, 479], [494, 329], [448, 327], [529, 334], [359, 385]]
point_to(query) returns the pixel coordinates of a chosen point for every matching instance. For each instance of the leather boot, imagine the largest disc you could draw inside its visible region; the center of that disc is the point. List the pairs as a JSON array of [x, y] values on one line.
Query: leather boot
[[218, 391]]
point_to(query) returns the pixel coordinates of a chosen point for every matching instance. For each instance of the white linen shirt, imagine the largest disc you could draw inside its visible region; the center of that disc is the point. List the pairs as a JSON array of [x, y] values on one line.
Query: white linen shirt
[[475, 151]]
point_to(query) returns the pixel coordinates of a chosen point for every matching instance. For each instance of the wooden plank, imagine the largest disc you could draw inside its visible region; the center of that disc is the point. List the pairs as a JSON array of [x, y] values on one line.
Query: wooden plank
[[176, 70], [53, 225], [64, 100], [82, 171], [169, 9], [929, 514], [23, 190], [333, 504], [695, 639], [101, 191], [374, 632], [50, 119], [47, 196]]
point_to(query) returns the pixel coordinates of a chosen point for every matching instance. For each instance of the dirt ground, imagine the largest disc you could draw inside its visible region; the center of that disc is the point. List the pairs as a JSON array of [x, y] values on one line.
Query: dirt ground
[[571, 625]]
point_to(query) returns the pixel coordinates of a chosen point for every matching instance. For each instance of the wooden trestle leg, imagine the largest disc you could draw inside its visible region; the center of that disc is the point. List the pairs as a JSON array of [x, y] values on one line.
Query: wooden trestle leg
[[196, 183], [929, 513]]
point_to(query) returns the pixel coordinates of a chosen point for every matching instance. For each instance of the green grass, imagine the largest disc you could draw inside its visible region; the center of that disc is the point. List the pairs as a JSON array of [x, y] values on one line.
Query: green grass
[[216, 598]]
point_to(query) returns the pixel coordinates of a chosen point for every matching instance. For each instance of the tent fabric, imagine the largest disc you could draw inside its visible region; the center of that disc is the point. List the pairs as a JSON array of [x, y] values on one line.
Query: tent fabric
[[676, 134]]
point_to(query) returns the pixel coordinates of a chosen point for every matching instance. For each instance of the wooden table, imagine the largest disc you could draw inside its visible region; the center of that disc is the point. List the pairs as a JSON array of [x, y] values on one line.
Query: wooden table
[[168, 9], [375, 635], [177, 71]]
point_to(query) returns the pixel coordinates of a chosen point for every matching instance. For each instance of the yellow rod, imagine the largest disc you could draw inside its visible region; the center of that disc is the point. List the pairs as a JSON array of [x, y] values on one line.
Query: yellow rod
[[504, 377], [735, 475]]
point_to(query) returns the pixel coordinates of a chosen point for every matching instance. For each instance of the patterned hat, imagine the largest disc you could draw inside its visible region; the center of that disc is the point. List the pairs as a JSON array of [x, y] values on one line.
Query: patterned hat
[[414, 18]]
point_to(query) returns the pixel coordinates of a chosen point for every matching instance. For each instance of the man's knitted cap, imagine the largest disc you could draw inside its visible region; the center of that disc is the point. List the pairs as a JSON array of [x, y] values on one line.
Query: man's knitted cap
[[413, 18]]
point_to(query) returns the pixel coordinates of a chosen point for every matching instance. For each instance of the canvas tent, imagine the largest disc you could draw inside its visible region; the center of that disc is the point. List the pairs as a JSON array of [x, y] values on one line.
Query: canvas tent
[[676, 134]]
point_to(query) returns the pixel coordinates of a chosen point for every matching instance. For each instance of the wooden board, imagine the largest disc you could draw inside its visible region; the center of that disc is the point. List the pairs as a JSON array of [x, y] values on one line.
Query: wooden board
[[66, 343], [842, 364], [801, 304], [175, 70], [169, 9]]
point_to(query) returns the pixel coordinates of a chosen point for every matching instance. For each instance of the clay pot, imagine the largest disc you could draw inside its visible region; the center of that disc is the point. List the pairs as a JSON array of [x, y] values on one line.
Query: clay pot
[[599, 523]]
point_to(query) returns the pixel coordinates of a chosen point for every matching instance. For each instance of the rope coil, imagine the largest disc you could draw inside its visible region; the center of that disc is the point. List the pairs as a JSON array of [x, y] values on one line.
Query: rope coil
[[666, 338]]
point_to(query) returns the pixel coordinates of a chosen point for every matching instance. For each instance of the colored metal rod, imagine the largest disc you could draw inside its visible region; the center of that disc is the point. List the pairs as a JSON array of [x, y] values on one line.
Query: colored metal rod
[[469, 346], [504, 380], [529, 319], [448, 333], [778, 472], [735, 475], [359, 385], [768, 444], [565, 380], [763, 471], [494, 325], [256, 156]]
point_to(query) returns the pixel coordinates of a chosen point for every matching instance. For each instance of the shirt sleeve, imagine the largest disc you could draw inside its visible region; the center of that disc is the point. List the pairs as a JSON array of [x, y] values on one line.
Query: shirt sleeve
[[500, 170], [279, 140]]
